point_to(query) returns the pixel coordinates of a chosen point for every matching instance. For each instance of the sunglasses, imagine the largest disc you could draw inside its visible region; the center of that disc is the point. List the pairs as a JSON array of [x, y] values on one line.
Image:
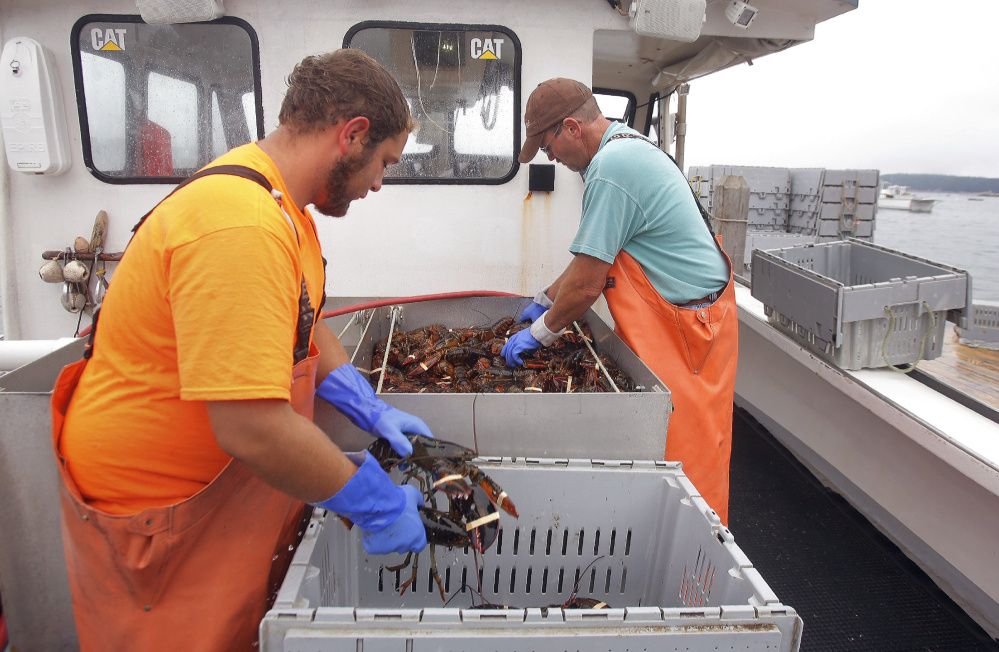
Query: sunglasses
[[544, 150]]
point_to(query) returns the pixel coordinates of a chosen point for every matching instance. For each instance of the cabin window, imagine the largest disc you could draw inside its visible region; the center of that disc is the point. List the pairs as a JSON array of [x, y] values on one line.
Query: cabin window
[[616, 105], [105, 95], [251, 107], [173, 104], [462, 83], [158, 102], [219, 144]]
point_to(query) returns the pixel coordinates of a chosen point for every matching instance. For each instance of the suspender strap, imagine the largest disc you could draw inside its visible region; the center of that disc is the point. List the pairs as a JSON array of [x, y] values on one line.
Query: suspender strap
[[697, 201], [306, 314], [234, 170]]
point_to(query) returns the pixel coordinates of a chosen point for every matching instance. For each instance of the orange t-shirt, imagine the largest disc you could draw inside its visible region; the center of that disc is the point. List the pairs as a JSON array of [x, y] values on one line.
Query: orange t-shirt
[[203, 307]]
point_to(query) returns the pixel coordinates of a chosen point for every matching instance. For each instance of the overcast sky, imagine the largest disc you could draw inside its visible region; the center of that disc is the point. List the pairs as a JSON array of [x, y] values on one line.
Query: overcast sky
[[897, 85]]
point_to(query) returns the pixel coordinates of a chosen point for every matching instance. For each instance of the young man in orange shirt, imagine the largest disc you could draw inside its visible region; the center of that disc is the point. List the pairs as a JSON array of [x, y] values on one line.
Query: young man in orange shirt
[[185, 441]]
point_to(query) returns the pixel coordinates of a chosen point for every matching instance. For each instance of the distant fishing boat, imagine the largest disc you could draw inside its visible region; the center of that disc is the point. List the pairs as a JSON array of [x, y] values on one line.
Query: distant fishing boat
[[899, 198]]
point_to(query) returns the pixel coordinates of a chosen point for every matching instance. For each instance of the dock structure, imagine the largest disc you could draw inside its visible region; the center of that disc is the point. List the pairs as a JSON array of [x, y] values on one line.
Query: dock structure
[[971, 370]]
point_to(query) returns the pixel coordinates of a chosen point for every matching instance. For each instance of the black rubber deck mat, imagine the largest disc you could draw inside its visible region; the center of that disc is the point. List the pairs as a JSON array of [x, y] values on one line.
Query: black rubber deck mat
[[853, 588]]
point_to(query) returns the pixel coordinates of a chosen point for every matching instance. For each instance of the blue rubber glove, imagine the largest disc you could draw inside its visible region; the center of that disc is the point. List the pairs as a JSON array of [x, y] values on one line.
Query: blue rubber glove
[[386, 513], [536, 309], [521, 342], [532, 312], [348, 391]]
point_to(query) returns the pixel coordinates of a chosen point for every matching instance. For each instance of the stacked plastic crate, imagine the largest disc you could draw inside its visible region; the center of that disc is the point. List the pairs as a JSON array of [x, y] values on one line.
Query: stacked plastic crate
[[848, 206], [770, 190], [770, 194], [806, 200], [788, 207]]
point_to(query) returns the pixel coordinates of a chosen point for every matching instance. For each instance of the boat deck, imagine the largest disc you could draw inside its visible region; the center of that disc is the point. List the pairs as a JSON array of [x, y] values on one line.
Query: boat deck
[[971, 370], [852, 587]]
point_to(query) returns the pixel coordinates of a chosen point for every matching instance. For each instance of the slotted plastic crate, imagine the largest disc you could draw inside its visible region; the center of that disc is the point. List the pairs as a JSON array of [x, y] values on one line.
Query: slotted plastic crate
[[826, 204], [768, 197], [636, 535], [983, 329], [806, 182], [772, 240], [863, 178], [859, 305]]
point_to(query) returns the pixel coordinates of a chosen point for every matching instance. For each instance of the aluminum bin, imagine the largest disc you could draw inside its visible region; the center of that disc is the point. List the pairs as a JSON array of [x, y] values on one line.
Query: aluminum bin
[[636, 536], [515, 425], [859, 305]]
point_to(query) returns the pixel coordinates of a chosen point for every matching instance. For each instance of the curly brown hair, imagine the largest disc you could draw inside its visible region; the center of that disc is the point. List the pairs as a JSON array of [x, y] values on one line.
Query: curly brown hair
[[344, 84]]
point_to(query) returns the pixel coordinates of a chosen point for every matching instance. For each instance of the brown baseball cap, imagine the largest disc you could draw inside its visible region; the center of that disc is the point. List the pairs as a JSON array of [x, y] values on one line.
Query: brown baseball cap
[[550, 103]]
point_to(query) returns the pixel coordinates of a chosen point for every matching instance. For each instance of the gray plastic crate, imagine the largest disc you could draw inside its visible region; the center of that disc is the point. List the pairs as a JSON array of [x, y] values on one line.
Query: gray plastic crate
[[638, 537], [802, 222], [768, 198], [864, 178], [838, 230], [834, 298], [806, 182], [575, 425], [860, 213], [769, 240], [983, 330], [797, 200]]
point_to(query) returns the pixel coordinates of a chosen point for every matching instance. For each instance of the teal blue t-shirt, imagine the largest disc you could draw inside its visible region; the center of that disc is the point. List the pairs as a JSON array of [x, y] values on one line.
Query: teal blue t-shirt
[[635, 198]]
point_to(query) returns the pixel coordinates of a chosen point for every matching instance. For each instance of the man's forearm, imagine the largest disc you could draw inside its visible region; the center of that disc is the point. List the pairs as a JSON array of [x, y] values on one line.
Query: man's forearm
[[280, 447], [578, 287], [331, 351], [552, 291]]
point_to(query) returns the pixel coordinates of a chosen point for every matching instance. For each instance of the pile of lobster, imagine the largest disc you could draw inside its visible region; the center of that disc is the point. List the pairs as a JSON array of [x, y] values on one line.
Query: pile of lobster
[[471, 516], [436, 359]]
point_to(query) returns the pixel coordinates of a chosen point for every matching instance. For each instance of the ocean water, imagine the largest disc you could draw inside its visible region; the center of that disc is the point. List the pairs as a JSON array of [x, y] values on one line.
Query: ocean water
[[961, 232]]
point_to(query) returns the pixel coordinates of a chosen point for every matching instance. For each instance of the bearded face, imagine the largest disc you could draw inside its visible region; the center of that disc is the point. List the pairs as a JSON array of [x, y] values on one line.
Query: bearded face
[[344, 185]]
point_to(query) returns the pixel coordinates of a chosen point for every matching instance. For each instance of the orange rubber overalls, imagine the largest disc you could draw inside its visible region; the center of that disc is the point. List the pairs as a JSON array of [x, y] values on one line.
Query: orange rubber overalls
[[695, 353], [151, 579]]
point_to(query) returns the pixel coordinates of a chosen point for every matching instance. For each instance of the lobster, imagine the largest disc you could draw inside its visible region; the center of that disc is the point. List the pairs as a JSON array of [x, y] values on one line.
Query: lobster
[[451, 529], [474, 499], [446, 464]]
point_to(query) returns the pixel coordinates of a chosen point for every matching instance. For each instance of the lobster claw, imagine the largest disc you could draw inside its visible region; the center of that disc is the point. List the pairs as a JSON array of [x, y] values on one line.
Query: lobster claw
[[480, 517], [441, 530]]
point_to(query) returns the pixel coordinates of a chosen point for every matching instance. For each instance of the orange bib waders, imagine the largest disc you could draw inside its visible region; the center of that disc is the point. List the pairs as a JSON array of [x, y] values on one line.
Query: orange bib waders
[[694, 352], [196, 575]]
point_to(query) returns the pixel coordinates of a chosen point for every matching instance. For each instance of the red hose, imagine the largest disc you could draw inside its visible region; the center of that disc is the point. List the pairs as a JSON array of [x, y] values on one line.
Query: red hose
[[388, 302], [424, 297]]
